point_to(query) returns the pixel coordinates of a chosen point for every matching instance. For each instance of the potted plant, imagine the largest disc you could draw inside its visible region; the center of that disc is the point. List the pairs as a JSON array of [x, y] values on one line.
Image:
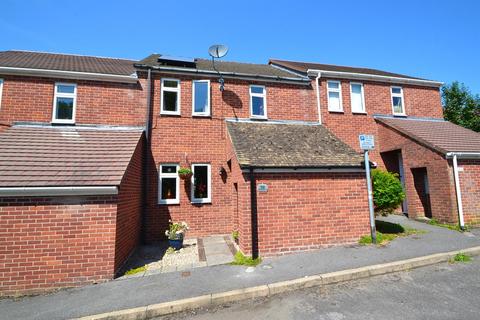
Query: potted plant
[[185, 173], [176, 233]]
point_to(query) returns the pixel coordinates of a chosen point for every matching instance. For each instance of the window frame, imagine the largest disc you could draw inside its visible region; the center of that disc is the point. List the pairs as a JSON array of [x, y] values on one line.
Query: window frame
[[168, 89], [364, 111], [56, 95], [339, 90], [207, 113], [261, 95], [209, 180], [403, 113], [177, 184], [1, 92]]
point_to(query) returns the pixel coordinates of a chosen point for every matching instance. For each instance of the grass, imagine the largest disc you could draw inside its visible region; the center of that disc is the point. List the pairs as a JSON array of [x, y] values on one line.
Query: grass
[[461, 257], [136, 270], [241, 260], [387, 231], [456, 227]]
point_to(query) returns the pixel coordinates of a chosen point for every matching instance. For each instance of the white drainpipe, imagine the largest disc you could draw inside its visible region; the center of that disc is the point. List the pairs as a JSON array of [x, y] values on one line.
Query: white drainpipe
[[458, 191], [317, 80]]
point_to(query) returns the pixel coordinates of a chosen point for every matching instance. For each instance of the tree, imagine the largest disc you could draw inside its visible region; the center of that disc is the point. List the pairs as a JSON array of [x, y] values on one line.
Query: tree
[[388, 192], [461, 106]]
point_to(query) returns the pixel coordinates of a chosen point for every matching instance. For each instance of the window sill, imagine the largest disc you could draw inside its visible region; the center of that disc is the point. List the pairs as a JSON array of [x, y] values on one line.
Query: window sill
[[168, 203], [402, 115], [201, 115], [359, 112], [170, 114], [201, 202], [56, 122], [336, 111]]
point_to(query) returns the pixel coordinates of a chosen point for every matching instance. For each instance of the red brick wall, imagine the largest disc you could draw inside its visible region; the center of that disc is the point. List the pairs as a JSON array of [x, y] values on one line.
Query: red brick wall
[[31, 99], [470, 188], [130, 206], [48, 243], [186, 140], [418, 101], [302, 211], [440, 177]]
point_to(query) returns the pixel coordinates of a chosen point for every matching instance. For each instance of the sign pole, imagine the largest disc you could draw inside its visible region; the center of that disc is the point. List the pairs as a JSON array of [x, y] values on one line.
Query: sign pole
[[370, 198]]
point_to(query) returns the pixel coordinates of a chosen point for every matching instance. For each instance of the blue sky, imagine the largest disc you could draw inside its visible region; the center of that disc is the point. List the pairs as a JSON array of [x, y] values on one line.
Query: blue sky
[[437, 40]]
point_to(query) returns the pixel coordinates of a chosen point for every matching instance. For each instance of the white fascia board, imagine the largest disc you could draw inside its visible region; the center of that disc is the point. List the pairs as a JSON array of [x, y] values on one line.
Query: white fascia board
[[463, 155], [303, 170], [57, 191], [371, 77], [74, 75]]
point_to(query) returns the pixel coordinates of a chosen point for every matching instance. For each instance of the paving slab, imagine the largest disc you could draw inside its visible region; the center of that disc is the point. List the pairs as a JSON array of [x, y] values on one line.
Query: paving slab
[[141, 291]]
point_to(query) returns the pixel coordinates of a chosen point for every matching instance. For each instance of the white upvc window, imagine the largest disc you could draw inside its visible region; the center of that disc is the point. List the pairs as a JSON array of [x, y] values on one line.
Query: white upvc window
[[357, 97], [168, 184], [398, 104], [201, 190], [201, 98], [1, 92], [334, 92], [64, 103], [258, 102], [170, 97]]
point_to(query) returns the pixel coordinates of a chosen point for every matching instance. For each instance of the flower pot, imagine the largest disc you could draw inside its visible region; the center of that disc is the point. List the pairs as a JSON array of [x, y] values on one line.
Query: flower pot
[[185, 176], [176, 244]]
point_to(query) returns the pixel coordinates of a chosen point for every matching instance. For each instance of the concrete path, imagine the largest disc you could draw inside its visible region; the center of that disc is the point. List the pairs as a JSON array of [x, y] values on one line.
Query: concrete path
[[129, 293], [217, 250]]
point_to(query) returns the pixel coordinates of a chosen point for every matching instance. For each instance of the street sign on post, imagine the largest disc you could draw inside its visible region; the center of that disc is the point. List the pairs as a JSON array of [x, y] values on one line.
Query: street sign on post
[[367, 142]]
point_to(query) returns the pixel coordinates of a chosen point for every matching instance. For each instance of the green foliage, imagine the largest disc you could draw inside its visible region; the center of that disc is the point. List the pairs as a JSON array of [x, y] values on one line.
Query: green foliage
[[235, 235], [461, 257], [136, 270], [461, 106], [456, 227], [170, 250], [241, 260], [381, 238], [184, 171], [388, 192]]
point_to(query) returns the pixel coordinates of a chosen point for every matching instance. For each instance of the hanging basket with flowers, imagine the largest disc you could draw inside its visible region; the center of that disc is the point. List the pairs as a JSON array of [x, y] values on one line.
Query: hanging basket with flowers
[[185, 173]]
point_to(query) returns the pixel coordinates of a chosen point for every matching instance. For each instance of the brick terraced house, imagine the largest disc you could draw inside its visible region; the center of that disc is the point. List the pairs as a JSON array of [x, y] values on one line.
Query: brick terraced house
[[90, 150]]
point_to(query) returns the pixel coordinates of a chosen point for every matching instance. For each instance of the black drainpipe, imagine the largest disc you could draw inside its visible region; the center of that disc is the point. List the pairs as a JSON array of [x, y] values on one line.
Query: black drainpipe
[[254, 216], [146, 153]]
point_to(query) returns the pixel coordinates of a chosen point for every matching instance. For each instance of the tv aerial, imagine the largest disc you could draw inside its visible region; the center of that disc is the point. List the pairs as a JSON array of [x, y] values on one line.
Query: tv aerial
[[218, 51]]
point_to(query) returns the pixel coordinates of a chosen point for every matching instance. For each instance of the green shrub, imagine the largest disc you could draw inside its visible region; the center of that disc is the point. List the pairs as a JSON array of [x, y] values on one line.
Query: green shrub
[[461, 257], [388, 192], [135, 270], [241, 260]]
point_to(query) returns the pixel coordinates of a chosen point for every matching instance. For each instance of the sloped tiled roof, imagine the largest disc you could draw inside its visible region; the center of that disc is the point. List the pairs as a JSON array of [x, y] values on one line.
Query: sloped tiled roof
[[302, 67], [228, 67], [440, 135], [66, 62], [289, 145], [65, 156]]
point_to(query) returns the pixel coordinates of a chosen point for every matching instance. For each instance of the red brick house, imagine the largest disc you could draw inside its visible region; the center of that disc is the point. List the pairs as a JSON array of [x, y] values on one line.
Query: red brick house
[[435, 159], [275, 156]]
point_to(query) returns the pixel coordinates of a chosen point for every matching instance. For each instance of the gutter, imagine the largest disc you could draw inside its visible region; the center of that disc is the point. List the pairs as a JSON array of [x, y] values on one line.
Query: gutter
[[57, 191], [75, 75], [229, 75], [371, 77], [339, 169]]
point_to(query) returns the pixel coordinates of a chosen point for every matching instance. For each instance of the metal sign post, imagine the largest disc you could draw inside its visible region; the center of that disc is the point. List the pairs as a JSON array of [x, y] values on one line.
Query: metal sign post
[[367, 143]]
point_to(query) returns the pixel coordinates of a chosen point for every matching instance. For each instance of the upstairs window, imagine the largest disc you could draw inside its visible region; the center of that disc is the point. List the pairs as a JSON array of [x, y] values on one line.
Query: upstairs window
[[258, 102], [334, 90], [201, 98], [201, 183], [170, 97], [64, 103], [169, 184], [1, 92], [397, 101], [357, 98]]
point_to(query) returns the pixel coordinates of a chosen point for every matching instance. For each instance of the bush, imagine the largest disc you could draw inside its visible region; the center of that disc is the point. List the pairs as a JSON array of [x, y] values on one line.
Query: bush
[[387, 191], [241, 260]]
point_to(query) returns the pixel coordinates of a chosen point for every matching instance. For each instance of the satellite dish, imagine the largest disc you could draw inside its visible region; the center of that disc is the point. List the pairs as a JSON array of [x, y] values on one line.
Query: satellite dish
[[217, 50]]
